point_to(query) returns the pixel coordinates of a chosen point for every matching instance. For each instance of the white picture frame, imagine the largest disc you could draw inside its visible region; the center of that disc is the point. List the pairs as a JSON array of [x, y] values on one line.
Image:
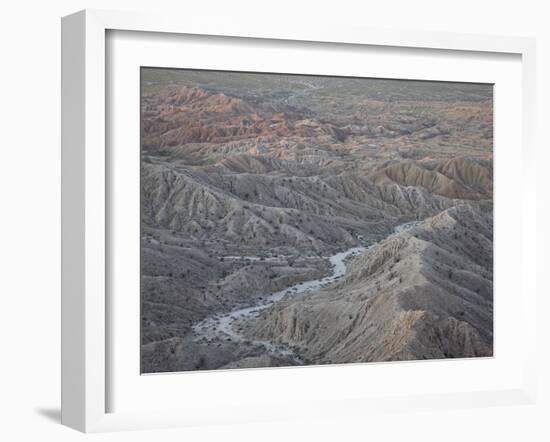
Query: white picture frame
[[86, 354]]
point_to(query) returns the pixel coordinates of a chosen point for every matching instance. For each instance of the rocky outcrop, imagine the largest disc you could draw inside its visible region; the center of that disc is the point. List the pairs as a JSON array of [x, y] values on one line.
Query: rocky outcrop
[[423, 293]]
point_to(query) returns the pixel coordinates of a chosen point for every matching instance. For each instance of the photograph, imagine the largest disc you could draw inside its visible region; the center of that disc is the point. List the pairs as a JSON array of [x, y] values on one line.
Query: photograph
[[298, 220]]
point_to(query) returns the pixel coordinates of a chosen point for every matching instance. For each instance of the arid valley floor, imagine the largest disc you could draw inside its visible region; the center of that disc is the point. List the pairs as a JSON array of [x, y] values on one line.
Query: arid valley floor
[[291, 220]]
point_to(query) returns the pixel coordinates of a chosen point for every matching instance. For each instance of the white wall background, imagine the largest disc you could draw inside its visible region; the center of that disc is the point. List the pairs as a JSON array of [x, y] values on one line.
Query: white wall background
[[30, 220]]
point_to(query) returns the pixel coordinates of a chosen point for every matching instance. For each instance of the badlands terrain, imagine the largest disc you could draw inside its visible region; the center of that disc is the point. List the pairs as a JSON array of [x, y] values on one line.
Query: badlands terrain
[[296, 220]]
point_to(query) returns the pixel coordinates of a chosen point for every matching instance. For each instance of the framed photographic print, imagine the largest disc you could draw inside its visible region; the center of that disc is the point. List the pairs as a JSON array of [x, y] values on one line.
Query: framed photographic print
[[250, 213]]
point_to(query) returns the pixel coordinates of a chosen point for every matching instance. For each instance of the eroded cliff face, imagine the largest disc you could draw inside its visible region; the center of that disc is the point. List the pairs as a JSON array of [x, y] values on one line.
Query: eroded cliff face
[[425, 292]]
